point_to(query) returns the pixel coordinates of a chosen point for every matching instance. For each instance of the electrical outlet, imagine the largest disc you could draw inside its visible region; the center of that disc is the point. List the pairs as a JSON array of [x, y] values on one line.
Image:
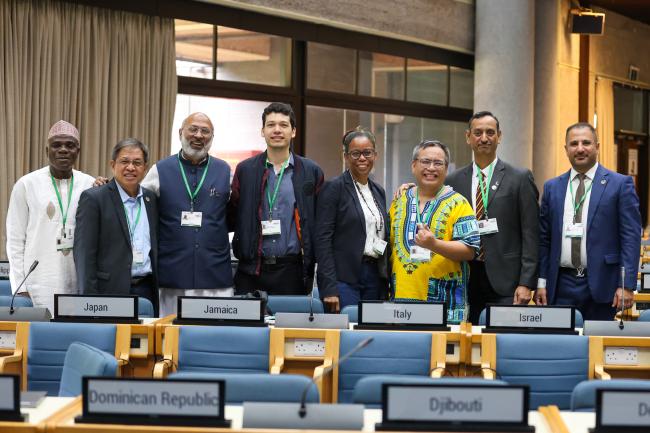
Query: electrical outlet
[[622, 355], [308, 347], [7, 340]]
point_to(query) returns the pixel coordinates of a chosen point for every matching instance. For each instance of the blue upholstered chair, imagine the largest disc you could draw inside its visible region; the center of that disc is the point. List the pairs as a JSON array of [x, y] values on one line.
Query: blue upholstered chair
[[644, 316], [81, 360], [19, 301], [482, 320], [145, 307], [583, 398], [293, 304], [260, 387], [352, 311], [5, 288], [368, 389], [217, 349], [395, 353], [552, 365]]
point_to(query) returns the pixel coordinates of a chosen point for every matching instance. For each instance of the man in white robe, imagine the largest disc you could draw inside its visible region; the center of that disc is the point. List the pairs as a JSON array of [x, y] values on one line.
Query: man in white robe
[[41, 219]]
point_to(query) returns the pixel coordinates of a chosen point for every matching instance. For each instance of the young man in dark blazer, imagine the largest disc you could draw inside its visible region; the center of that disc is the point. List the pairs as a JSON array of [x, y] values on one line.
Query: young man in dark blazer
[[505, 200], [116, 236]]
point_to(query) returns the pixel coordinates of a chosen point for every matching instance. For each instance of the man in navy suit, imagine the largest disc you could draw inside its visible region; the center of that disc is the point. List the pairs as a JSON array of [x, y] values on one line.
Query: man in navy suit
[[590, 226]]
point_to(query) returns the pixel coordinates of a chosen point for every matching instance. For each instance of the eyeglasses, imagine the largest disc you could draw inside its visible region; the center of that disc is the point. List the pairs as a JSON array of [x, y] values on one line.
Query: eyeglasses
[[194, 129], [426, 163], [367, 153], [137, 163]]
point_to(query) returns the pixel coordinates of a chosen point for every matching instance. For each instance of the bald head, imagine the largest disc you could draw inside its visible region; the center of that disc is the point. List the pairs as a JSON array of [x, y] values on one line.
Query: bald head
[[196, 136], [198, 116]]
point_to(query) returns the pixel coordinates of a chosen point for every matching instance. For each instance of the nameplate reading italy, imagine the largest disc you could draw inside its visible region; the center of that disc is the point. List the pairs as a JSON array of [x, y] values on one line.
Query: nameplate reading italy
[[520, 316], [222, 309], [402, 313], [10, 398], [623, 408], [471, 404], [67, 306], [155, 401]]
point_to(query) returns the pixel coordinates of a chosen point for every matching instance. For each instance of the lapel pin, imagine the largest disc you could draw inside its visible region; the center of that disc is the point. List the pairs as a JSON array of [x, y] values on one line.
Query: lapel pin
[[146, 198], [603, 181]]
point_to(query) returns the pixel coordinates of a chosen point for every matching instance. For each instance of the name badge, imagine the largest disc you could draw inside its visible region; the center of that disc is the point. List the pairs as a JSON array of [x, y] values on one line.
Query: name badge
[[458, 404], [521, 316], [10, 398], [573, 230], [74, 307], [419, 254], [403, 313], [489, 226], [191, 219], [622, 408], [65, 239], [196, 308], [153, 401], [379, 246], [138, 257], [270, 228]]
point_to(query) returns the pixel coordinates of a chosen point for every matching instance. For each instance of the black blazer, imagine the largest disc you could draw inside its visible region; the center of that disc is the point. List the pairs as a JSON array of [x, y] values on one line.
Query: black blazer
[[511, 254], [341, 233], [102, 245]]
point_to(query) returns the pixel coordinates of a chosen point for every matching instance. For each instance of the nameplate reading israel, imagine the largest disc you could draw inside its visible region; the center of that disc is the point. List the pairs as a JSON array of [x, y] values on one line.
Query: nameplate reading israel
[[628, 408], [153, 397], [455, 404], [530, 317], [402, 313], [220, 308], [95, 306], [7, 394]]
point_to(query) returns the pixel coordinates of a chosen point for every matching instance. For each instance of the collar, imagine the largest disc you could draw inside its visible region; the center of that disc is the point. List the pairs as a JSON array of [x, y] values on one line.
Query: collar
[[486, 170], [268, 163], [185, 160], [126, 197], [591, 173]]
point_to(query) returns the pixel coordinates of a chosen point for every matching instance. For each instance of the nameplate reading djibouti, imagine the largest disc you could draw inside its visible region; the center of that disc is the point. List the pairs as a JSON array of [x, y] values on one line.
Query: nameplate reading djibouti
[[95, 306], [530, 317], [402, 313], [220, 309]]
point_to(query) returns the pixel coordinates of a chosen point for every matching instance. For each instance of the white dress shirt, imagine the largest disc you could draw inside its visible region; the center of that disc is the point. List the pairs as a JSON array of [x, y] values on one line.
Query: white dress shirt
[[373, 218], [486, 173], [34, 221]]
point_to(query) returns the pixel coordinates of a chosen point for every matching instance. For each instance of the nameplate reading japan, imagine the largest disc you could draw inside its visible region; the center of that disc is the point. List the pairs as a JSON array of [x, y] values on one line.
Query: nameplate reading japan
[[455, 403], [514, 316], [375, 313], [620, 407], [199, 308], [95, 306]]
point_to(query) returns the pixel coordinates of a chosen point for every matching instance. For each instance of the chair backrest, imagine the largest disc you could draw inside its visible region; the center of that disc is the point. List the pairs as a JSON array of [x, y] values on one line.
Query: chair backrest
[[552, 365], [19, 301], [644, 316], [352, 311], [81, 360], [482, 320], [293, 304], [395, 353], [264, 387], [48, 344], [145, 307], [583, 398], [223, 349], [5, 288]]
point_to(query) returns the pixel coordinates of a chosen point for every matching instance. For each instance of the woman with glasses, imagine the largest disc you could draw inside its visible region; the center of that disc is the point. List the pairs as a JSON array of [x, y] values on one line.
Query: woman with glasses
[[433, 235], [352, 229]]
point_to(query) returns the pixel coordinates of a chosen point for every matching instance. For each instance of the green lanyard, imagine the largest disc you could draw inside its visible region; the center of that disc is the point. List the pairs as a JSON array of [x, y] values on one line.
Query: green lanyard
[[582, 199], [484, 187], [137, 218], [187, 185], [64, 215], [427, 216], [273, 199]]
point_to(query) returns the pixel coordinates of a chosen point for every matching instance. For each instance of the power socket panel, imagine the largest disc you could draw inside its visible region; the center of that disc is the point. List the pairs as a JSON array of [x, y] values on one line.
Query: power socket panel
[[621, 356], [7, 340], [308, 347]]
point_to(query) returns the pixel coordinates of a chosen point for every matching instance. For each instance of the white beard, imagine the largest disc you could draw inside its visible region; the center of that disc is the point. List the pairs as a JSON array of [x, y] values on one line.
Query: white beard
[[194, 154]]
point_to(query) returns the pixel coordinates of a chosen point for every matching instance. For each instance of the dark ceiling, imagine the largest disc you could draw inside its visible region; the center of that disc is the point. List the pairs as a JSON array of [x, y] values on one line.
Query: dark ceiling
[[636, 9]]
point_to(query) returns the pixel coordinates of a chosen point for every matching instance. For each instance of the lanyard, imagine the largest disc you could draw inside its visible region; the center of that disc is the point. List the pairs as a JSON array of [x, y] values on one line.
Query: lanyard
[[484, 187], [274, 198], [379, 221], [582, 199], [432, 205], [137, 219], [187, 185], [64, 215]]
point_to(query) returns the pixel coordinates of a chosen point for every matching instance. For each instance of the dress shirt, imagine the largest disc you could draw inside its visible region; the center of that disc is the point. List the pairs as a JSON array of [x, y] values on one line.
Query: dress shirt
[[486, 173], [141, 239], [373, 220]]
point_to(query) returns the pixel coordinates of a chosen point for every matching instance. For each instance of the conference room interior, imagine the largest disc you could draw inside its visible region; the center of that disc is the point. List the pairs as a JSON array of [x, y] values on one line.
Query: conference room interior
[[408, 72]]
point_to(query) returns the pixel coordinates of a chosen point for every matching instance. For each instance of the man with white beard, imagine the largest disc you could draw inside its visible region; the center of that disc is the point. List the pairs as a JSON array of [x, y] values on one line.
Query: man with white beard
[[193, 190]]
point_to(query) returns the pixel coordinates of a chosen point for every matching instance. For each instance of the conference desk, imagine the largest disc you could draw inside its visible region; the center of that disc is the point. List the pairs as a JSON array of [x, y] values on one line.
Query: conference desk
[[547, 420], [35, 418]]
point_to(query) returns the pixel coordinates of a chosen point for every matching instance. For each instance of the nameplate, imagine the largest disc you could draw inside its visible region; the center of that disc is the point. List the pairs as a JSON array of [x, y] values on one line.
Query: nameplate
[[645, 282], [558, 318], [417, 314], [219, 309], [153, 401], [108, 308], [439, 405], [4, 270], [623, 408], [10, 398]]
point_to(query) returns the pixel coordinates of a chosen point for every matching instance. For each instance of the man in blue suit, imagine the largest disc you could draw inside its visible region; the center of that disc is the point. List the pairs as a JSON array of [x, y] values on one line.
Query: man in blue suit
[[590, 226]]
